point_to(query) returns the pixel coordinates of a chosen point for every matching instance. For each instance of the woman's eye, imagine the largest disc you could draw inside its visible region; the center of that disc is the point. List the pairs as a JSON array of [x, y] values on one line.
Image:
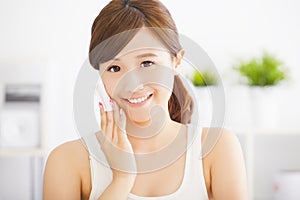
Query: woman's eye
[[114, 68], [147, 63]]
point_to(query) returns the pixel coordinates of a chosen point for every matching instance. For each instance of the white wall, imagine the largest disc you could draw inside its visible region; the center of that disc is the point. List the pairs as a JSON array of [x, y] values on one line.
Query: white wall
[[12, 178], [56, 33], [232, 29]]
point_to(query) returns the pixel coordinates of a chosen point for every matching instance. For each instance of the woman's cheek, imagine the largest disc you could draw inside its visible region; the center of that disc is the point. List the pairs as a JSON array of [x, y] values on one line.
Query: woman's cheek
[[165, 93], [112, 91], [110, 87]]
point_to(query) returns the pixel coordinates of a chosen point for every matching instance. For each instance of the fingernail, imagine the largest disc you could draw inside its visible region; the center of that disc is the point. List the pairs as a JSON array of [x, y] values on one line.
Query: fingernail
[[112, 103], [122, 113], [100, 105]]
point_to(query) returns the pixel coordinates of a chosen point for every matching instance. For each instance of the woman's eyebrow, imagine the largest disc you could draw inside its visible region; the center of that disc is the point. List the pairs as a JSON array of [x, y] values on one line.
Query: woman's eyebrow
[[139, 56], [146, 55]]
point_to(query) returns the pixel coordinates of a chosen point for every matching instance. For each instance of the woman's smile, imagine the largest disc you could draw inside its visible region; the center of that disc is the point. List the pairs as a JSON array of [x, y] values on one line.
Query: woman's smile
[[139, 100]]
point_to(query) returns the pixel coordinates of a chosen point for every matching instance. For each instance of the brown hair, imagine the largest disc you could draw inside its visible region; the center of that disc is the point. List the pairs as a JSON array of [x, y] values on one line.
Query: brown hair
[[127, 16]]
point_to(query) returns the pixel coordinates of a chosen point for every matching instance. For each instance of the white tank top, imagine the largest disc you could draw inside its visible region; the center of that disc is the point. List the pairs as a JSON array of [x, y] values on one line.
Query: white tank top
[[192, 187]]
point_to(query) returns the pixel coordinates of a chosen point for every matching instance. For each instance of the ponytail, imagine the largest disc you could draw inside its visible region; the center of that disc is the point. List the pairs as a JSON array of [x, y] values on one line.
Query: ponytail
[[180, 103]]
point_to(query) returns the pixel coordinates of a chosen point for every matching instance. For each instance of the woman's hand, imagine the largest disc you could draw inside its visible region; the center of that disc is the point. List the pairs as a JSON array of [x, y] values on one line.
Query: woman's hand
[[115, 144]]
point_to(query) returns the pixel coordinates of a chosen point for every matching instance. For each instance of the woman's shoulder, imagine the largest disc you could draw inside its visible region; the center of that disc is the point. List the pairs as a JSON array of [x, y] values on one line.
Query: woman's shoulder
[[71, 156], [71, 151], [216, 141], [221, 151], [218, 134], [67, 167]]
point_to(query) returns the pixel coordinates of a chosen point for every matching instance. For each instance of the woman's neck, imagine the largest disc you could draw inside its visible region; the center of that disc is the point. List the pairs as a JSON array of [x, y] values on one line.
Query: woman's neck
[[151, 138]]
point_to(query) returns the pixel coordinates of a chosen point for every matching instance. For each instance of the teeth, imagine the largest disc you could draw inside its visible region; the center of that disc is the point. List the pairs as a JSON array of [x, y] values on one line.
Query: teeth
[[139, 100]]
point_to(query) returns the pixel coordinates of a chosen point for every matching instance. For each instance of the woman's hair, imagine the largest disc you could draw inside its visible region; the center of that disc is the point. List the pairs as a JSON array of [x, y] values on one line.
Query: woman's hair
[[127, 17]]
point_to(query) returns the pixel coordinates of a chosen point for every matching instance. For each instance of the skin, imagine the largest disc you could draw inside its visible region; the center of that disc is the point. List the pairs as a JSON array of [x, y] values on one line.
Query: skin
[[67, 173]]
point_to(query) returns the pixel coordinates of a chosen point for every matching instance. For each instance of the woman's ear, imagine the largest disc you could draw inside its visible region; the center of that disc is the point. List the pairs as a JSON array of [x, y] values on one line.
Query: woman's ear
[[179, 57]]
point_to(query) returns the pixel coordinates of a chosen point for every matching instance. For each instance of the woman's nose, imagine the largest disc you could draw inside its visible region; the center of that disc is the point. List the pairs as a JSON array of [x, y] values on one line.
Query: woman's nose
[[134, 80], [140, 87], [131, 82]]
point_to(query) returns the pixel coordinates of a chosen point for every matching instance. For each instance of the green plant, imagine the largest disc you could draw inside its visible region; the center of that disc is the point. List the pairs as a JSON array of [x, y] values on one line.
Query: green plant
[[203, 79], [264, 71]]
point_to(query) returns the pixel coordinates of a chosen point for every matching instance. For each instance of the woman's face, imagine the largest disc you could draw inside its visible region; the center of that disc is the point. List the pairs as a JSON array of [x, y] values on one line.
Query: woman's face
[[144, 58]]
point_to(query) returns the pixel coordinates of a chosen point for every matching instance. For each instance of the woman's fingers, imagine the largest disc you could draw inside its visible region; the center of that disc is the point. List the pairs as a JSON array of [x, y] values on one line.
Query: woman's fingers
[[122, 125], [109, 125], [102, 118], [122, 120], [116, 121], [113, 127], [116, 109], [115, 145], [119, 122]]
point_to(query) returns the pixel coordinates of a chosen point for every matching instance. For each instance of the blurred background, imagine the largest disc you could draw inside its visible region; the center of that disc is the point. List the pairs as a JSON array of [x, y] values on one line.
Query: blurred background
[[254, 45]]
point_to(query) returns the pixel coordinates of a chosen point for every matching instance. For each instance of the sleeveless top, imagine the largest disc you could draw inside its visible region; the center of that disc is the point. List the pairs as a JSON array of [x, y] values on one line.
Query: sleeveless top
[[192, 187]]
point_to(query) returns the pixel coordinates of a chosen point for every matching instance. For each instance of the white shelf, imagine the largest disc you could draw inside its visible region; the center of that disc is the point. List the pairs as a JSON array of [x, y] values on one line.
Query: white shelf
[[266, 131], [250, 135], [36, 152]]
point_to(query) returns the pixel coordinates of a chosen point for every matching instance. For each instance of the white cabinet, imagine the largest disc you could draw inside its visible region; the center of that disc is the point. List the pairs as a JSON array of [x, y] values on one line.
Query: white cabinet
[[22, 147], [267, 154]]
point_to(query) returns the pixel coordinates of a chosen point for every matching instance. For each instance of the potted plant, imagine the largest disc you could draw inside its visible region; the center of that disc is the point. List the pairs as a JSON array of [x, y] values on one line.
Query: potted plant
[[262, 75], [264, 71], [204, 82], [206, 78]]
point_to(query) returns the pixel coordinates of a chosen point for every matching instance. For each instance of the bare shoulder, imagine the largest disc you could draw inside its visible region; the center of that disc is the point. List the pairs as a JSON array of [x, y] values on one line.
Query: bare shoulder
[[225, 167], [218, 140], [72, 153], [66, 170]]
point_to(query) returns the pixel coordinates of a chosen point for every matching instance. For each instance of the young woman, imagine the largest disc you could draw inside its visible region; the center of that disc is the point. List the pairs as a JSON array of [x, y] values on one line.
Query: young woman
[[144, 42]]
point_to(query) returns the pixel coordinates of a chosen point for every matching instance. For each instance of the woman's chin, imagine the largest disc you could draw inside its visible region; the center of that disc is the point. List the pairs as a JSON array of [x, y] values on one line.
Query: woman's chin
[[139, 116], [140, 120], [144, 116]]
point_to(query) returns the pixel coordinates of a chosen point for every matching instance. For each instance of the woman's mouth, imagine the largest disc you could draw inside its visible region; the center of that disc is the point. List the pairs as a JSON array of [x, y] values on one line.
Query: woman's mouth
[[140, 100]]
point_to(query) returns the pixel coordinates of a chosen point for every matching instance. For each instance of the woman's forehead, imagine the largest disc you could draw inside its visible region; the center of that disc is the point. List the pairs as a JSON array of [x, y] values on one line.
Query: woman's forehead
[[143, 44], [144, 40]]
